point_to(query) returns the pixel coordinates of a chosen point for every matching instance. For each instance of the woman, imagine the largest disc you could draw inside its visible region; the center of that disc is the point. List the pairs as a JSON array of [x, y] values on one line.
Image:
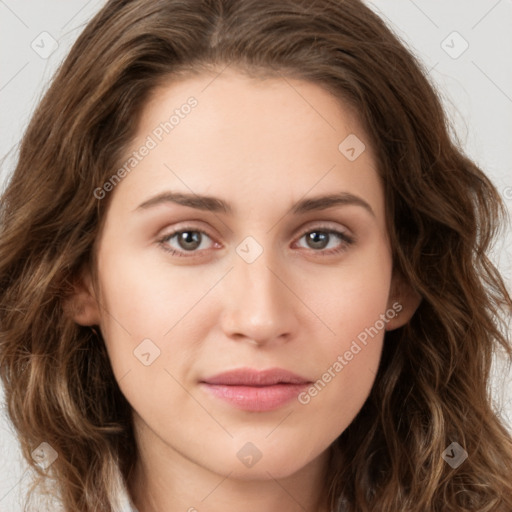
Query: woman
[[243, 262]]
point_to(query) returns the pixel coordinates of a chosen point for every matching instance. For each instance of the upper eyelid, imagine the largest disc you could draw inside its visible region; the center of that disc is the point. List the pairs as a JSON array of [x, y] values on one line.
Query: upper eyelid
[[326, 227], [310, 226], [174, 231]]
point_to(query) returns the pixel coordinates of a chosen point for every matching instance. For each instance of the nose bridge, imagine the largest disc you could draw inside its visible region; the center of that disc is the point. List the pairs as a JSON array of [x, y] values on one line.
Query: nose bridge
[[261, 284], [258, 304]]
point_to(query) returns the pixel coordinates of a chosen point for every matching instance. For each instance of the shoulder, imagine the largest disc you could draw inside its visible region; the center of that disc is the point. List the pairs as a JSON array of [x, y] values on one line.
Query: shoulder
[[125, 503]]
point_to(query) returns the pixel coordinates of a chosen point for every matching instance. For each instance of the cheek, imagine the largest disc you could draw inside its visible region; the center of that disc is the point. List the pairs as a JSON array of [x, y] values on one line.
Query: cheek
[[144, 305], [148, 297], [333, 401], [147, 313], [347, 364], [351, 297], [354, 306]]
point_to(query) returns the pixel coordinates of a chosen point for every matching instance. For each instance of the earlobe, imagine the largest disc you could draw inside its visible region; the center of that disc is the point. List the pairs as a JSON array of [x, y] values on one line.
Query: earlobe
[[403, 300], [82, 305]]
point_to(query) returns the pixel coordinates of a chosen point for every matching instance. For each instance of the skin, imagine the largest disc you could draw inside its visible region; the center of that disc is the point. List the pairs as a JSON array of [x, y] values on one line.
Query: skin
[[260, 145]]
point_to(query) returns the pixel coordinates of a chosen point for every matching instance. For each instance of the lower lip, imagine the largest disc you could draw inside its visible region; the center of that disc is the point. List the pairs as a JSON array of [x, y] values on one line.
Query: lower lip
[[253, 398]]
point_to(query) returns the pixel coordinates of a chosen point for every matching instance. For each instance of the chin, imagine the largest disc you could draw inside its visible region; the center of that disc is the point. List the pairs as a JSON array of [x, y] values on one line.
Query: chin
[[273, 464]]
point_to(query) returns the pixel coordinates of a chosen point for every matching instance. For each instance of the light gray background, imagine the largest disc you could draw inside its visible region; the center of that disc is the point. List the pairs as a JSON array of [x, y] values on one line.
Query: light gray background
[[476, 86]]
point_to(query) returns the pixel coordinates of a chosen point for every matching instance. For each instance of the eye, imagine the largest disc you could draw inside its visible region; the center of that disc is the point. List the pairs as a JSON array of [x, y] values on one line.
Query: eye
[[186, 240], [320, 238], [192, 241]]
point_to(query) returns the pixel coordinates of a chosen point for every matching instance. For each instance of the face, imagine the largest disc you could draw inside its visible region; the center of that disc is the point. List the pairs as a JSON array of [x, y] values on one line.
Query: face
[[291, 292]]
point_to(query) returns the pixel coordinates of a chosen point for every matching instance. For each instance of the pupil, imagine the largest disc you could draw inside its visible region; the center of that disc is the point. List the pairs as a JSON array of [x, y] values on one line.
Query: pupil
[[318, 239], [190, 239]]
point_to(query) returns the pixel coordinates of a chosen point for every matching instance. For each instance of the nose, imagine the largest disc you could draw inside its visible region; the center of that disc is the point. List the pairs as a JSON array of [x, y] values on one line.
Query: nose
[[259, 305]]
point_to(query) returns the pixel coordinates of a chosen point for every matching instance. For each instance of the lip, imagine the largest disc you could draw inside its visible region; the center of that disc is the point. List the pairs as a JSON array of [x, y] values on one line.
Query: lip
[[255, 390]]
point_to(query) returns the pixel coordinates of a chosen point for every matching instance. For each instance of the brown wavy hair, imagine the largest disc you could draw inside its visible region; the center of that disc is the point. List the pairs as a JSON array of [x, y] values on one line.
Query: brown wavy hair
[[443, 213]]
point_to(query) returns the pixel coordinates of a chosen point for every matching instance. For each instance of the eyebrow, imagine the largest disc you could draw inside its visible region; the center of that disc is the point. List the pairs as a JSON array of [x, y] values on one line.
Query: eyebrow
[[217, 205]]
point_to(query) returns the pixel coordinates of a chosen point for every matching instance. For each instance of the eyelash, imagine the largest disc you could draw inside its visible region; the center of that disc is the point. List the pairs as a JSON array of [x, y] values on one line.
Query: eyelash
[[345, 239]]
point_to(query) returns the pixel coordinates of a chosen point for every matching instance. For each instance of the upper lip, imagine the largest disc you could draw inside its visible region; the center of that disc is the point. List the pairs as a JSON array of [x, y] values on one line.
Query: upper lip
[[254, 377]]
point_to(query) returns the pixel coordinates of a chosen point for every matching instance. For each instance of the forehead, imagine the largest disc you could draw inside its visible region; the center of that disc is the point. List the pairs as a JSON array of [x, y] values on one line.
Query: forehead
[[250, 141]]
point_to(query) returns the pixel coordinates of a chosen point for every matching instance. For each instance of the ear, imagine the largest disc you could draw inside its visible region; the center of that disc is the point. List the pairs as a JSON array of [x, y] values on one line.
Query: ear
[[82, 305], [403, 299]]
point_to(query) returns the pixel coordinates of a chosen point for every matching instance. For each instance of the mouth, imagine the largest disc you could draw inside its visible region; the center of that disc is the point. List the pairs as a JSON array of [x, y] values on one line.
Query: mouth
[[255, 390]]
